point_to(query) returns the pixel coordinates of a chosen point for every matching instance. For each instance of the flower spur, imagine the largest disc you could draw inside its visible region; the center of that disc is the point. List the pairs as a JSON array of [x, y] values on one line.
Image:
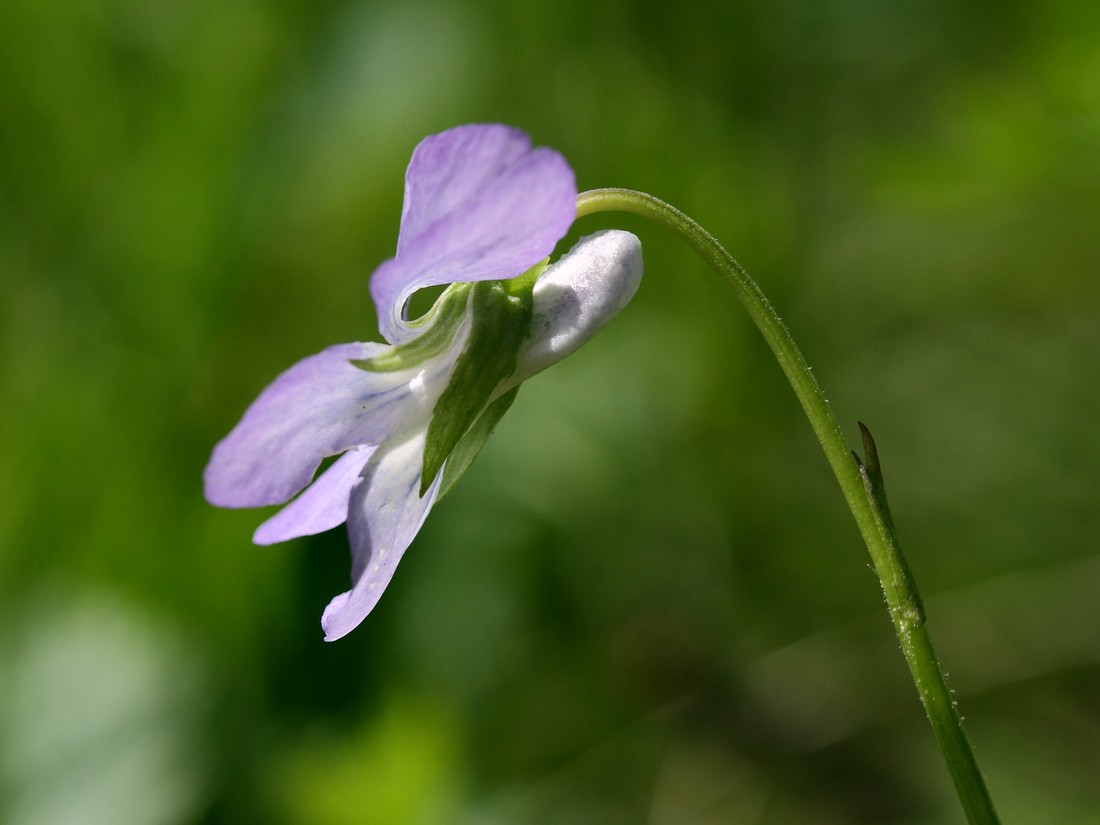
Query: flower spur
[[482, 211]]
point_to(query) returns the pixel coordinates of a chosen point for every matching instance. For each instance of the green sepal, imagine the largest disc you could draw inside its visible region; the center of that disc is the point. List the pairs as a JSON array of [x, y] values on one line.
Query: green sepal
[[500, 322], [468, 447], [439, 324]]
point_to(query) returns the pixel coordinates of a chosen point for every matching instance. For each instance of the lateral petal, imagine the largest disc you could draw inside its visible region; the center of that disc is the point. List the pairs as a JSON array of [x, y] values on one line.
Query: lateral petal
[[321, 506], [385, 513], [480, 204], [321, 406]]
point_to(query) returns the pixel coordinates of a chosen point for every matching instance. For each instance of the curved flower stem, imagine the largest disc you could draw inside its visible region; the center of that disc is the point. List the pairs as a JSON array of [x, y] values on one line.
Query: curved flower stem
[[860, 481]]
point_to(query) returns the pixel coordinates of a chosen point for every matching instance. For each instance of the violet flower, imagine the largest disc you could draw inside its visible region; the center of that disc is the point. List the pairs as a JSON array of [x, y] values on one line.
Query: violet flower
[[482, 212]]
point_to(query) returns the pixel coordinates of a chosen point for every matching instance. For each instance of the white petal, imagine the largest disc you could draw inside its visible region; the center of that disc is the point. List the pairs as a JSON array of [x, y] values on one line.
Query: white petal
[[576, 296]]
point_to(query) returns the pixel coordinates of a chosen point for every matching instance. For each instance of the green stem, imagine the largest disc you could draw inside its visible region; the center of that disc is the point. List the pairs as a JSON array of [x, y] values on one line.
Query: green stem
[[860, 481]]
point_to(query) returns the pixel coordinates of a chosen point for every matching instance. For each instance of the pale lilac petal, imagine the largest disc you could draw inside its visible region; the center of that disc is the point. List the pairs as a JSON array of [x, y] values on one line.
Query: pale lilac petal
[[447, 170], [480, 204], [321, 406], [384, 516], [576, 296], [321, 506]]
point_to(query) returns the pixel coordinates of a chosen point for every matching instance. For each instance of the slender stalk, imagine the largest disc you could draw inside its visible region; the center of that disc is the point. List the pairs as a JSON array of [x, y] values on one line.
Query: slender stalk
[[860, 481]]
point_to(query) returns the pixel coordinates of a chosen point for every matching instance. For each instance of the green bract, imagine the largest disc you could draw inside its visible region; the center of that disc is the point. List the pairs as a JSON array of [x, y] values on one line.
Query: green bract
[[500, 318], [466, 450]]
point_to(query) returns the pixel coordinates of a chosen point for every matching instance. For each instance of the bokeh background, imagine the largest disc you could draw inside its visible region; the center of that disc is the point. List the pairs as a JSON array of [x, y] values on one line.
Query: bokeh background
[[646, 603]]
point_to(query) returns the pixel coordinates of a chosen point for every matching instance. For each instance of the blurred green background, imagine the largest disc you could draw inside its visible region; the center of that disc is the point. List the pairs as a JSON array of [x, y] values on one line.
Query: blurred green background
[[646, 603]]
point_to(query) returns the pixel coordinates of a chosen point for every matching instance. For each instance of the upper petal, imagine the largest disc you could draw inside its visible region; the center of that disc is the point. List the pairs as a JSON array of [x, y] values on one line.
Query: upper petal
[[321, 406], [385, 513], [480, 204]]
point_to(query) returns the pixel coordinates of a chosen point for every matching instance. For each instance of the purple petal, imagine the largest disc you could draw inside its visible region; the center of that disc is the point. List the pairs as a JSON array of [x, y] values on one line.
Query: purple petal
[[384, 516], [321, 406], [480, 204], [322, 506]]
